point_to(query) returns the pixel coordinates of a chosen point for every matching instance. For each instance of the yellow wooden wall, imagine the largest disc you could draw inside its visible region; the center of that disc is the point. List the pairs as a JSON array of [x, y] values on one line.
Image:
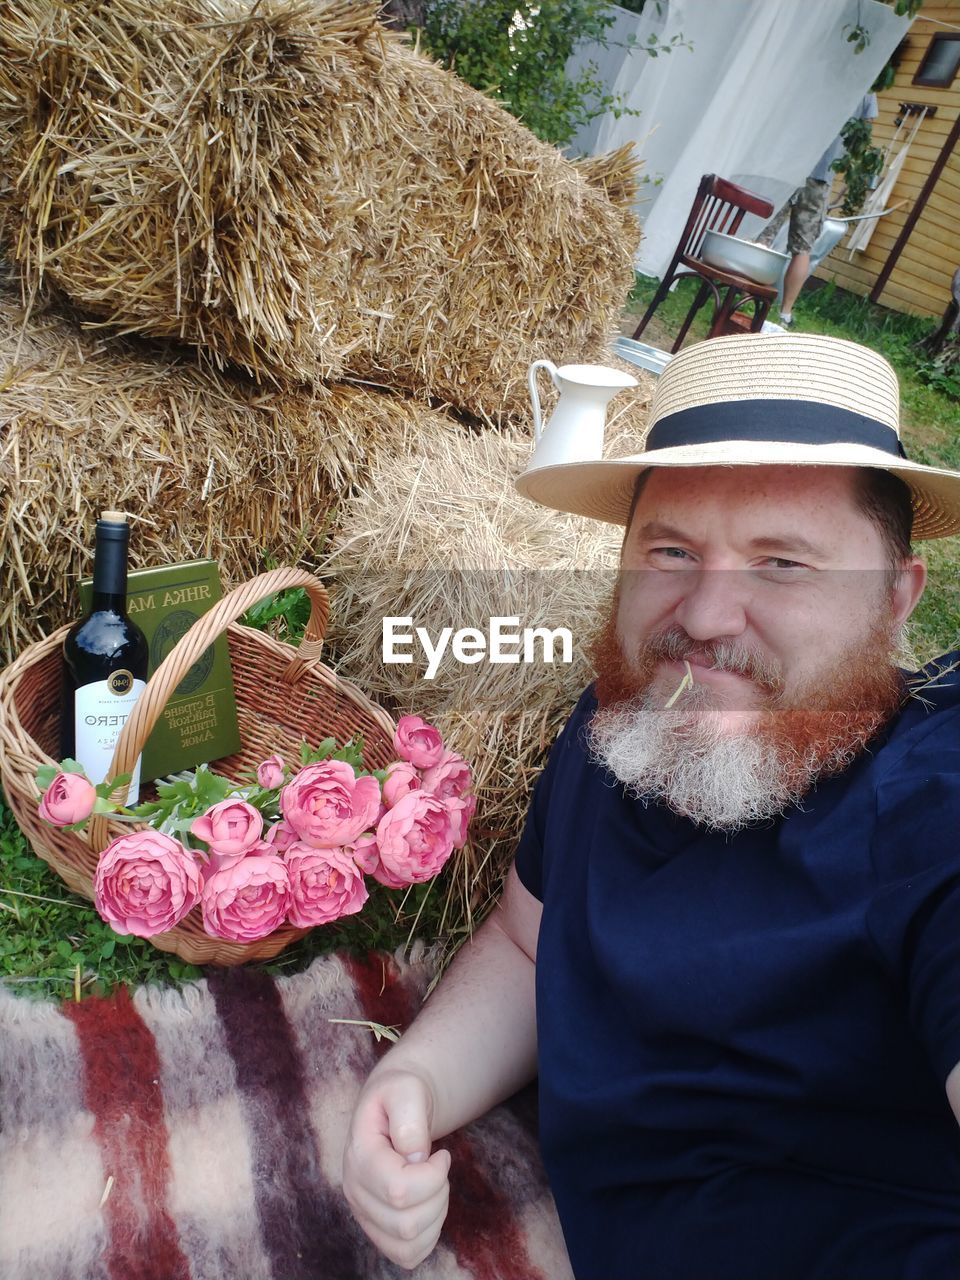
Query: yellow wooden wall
[[920, 282]]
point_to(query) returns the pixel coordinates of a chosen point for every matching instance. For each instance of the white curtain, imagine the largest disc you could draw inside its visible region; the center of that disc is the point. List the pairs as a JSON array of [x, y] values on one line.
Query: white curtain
[[765, 88]]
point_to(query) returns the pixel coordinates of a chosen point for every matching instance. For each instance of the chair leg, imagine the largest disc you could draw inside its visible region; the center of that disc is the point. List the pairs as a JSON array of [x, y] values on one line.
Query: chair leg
[[760, 309], [697, 303], [663, 288], [722, 312]]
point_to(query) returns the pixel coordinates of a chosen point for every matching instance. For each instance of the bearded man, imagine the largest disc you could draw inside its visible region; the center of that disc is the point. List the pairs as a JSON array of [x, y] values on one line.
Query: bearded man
[[731, 936]]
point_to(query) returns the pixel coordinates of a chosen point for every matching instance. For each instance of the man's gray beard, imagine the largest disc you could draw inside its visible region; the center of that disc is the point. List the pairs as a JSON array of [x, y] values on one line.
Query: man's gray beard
[[715, 778]]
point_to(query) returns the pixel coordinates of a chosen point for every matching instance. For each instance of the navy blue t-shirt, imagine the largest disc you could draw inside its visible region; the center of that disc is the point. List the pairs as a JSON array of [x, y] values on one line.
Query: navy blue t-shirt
[[744, 1039]]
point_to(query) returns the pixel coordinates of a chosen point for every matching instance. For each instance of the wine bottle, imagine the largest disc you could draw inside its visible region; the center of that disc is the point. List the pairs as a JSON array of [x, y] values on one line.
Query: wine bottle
[[104, 661]]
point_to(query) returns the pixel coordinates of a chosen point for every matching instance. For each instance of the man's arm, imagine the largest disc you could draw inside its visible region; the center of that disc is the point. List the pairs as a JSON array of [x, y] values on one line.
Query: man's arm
[[472, 1045], [953, 1090]]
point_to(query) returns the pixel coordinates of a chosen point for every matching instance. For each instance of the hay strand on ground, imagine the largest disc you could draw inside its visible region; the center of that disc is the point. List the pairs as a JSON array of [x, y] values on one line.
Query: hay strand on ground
[[295, 190]]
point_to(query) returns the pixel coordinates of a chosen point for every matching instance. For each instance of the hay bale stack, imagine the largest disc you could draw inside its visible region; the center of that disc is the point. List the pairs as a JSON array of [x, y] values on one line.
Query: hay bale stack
[[440, 535], [293, 189], [206, 464]]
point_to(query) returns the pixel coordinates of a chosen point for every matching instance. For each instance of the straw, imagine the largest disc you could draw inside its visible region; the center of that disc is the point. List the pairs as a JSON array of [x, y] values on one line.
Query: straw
[[439, 534], [294, 190], [206, 465]]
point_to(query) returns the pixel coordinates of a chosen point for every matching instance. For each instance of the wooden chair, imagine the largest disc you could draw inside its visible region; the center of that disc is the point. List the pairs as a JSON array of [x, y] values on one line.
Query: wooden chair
[[719, 206]]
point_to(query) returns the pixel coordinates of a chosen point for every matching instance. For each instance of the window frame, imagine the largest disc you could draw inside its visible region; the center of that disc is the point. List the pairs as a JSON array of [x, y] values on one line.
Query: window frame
[[928, 81]]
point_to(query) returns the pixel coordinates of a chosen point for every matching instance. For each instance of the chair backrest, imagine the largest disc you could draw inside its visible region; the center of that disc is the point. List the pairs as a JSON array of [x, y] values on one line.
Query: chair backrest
[[719, 205]]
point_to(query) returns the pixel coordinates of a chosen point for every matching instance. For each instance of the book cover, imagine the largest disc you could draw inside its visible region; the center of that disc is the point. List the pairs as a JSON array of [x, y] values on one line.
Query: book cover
[[199, 722]]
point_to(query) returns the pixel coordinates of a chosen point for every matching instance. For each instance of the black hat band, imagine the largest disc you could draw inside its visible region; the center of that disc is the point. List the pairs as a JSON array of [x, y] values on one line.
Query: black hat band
[[776, 421]]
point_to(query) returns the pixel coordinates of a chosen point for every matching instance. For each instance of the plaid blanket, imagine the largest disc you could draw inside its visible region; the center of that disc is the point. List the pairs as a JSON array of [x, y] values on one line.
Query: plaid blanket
[[197, 1134]]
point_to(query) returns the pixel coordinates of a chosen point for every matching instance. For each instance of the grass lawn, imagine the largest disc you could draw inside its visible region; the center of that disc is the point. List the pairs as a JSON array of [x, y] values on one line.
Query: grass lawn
[[51, 940]]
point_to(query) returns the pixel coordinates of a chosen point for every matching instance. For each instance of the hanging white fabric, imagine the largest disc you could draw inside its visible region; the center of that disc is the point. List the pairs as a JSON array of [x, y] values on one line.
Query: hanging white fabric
[[765, 87], [878, 198]]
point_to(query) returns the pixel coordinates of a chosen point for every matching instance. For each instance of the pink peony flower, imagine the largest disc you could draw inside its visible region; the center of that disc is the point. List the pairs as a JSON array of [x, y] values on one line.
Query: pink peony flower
[[69, 798], [401, 778], [246, 898], [365, 853], [146, 882], [230, 827], [461, 810], [415, 838], [270, 772], [215, 859], [325, 884], [418, 742], [280, 836], [328, 805], [385, 878], [451, 777]]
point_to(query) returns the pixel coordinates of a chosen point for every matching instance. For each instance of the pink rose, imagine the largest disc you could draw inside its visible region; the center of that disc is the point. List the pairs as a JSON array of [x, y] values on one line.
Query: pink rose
[[146, 882], [69, 798], [328, 805], [451, 777], [415, 838], [280, 836], [365, 853], [325, 884], [385, 878], [401, 779], [230, 827], [461, 810], [246, 898], [270, 772], [215, 859], [418, 742]]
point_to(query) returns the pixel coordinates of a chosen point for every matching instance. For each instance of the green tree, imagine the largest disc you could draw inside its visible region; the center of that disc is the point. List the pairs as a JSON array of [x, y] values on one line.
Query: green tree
[[517, 51]]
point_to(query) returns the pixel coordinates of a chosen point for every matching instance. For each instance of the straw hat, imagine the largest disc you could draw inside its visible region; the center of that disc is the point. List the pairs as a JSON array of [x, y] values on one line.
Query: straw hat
[[755, 399]]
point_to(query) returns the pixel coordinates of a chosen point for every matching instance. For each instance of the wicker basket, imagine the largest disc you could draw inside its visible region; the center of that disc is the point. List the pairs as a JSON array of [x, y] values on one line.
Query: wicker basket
[[283, 696]]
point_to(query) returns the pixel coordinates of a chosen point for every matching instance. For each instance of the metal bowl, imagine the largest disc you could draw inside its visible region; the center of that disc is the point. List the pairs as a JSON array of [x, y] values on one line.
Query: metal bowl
[[743, 257]]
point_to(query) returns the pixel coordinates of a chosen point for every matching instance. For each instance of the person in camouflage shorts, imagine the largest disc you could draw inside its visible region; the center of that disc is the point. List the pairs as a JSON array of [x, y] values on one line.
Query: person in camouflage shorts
[[806, 209]]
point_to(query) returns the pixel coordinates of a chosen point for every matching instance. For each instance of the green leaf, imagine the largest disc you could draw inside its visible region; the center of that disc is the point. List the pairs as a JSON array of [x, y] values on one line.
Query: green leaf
[[71, 766], [106, 789], [147, 809], [178, 790], [107, 948], [45, 775], [211, 788], [64, 949]]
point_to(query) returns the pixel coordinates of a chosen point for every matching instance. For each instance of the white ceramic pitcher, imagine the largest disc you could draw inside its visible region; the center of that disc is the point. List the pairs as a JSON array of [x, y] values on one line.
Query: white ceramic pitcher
[[575, 430]]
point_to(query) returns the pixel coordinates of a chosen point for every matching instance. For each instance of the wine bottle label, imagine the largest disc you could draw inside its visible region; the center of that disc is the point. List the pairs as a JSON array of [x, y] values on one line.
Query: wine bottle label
[[100, 712]]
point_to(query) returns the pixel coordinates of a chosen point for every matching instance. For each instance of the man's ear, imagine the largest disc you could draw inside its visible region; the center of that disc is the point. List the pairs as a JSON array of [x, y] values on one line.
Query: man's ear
[[909, 589]]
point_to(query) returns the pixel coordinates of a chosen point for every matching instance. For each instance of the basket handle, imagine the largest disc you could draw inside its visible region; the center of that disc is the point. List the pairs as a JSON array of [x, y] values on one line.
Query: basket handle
[[187, 650]]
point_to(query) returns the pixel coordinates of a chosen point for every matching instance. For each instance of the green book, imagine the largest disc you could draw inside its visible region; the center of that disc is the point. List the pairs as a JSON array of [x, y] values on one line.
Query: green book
[[199, 722]]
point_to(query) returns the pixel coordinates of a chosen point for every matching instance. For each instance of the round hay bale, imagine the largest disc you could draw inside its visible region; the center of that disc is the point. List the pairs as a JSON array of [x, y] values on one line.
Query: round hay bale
[[206, 465], [438, 535], [292, 189]]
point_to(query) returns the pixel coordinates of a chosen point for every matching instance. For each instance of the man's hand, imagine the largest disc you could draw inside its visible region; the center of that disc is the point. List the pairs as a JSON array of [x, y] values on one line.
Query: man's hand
[[472, 1044], [397, 1190]]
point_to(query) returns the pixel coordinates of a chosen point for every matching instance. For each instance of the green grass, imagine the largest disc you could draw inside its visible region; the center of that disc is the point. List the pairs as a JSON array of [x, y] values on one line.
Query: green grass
[[46, 931]]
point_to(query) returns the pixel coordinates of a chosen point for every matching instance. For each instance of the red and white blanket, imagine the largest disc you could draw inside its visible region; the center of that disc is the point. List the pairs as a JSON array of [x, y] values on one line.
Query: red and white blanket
[[197, 1135]]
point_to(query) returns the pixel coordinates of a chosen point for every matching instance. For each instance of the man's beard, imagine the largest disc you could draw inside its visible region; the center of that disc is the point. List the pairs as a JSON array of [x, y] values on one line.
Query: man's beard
[[685, 757]]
